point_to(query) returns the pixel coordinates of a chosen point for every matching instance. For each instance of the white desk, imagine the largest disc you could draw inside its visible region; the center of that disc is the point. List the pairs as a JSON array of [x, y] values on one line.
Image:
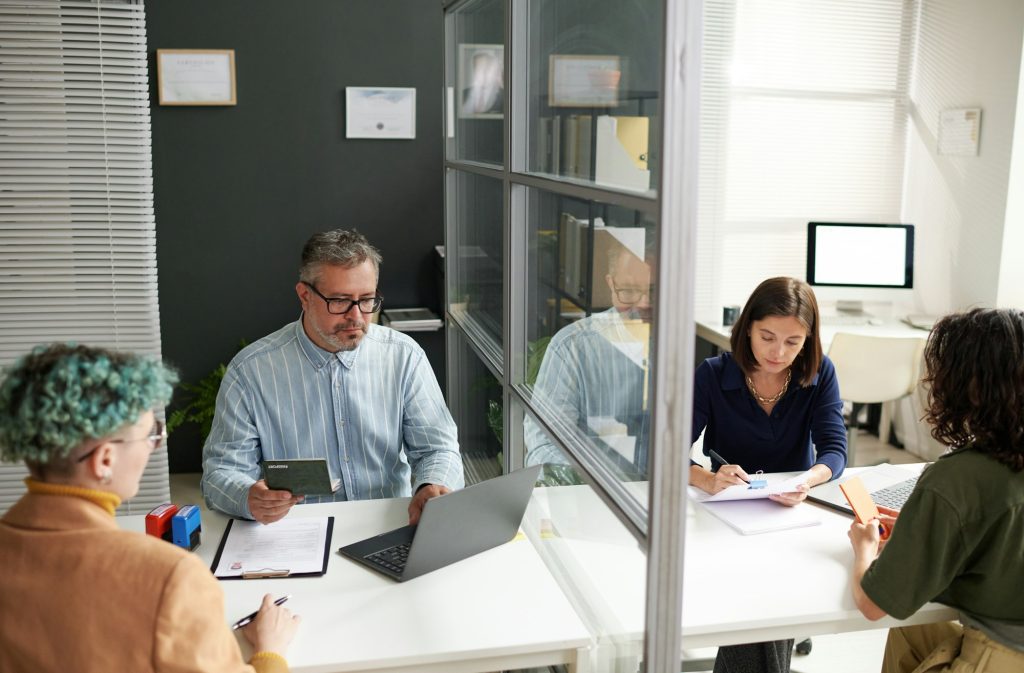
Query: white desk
[[504, 609], [736, 589], [498, 610], [712, 331]]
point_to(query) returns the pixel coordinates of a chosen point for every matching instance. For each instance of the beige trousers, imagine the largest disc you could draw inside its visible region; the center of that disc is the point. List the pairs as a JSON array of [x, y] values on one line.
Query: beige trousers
[[947, 647]]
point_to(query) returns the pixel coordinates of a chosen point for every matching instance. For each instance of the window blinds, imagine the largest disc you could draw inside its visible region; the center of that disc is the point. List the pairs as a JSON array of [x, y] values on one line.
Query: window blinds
[[77, 240], [804, 117]]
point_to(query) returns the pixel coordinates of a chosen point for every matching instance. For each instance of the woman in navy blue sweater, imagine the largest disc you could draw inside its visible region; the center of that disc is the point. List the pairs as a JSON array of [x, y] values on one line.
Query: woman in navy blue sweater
[[772, 405]]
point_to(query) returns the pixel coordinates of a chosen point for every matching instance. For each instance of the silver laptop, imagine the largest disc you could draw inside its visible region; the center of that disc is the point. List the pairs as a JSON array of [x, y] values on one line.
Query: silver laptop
[[452, 527], [880, 479]]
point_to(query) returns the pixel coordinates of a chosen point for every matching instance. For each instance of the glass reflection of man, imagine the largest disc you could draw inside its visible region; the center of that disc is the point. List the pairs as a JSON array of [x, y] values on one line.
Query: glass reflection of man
[[594, 375]]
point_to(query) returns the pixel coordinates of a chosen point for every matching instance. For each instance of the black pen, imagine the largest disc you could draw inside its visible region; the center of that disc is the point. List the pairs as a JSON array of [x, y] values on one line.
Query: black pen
[[723, 461], [246, 620]]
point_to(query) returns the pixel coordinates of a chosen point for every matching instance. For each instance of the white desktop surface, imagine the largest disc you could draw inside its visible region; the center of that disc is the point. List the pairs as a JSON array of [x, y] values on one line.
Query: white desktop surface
[[500, 609], [712, 330], [736, 588]]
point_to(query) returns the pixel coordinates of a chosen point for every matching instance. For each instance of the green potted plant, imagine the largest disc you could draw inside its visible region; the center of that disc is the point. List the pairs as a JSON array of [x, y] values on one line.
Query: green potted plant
[[201, 399]]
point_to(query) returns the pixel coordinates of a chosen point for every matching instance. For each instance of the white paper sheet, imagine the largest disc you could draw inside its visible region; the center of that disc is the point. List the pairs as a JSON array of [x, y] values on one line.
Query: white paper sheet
[[291, 545], [776, 484]]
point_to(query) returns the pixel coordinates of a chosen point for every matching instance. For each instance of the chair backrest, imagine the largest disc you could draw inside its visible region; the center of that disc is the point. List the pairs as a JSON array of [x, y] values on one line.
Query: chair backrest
[[874, 368]]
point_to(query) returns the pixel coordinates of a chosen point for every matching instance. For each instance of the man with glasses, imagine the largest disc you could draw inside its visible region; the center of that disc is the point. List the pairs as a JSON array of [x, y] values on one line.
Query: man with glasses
[[595, 375], [336, 386]]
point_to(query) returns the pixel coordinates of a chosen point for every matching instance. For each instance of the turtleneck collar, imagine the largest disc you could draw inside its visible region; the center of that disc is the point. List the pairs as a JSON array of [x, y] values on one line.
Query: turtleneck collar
[[105, 499]]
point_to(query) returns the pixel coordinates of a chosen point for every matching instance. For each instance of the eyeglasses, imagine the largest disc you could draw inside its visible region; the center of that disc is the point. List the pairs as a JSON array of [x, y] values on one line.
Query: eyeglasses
[[155, 439], [343, 306], [629, 295]]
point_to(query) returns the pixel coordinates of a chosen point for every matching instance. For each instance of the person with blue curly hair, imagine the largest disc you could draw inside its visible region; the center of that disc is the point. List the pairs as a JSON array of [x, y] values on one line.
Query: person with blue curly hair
[[76, 592]]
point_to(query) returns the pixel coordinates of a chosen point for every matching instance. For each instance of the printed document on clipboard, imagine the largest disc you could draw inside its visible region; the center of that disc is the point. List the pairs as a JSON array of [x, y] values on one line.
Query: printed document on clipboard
[[293, 546], [775, 483]]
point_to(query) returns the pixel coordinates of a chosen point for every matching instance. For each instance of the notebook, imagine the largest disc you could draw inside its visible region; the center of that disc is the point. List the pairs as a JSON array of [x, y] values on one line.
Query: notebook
[[751, 517], [875, 479], [452, 527]]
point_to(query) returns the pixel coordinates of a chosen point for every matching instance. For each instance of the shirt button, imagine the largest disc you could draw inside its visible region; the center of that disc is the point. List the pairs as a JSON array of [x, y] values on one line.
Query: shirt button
[[341, 422]]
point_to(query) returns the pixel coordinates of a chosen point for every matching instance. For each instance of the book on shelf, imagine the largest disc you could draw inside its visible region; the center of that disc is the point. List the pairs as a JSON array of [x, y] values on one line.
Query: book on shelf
[[411, 319]]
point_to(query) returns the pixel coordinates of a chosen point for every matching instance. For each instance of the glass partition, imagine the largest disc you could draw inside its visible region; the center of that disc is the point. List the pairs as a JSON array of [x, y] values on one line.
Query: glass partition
[[475, 399], [476, 82], [475, 289], [554, 223], [590, 300], [598, 563], [594, 78]]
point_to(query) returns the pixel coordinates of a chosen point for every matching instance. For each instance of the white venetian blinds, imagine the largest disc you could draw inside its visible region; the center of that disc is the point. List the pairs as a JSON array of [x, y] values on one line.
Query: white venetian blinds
[[77, 241], [804, 117]]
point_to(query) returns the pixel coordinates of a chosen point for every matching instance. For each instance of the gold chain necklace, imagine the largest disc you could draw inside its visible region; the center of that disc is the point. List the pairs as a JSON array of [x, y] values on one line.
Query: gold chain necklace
[[774, 398]]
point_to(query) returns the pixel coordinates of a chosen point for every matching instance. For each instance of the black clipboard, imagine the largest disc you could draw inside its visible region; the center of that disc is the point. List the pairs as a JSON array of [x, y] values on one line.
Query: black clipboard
[[269, 573]]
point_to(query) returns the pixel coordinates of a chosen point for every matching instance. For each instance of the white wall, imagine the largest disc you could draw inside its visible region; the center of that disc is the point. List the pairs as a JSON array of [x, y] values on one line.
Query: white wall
[[968, 55], [1011, 270]]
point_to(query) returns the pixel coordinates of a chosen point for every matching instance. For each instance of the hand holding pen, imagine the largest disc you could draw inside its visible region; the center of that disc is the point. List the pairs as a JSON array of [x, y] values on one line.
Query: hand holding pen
[[271, 628], [727, 474], [246, 620]]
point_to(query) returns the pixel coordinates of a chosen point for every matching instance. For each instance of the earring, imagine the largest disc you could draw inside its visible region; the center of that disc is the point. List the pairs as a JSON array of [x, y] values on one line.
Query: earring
[[106, 476]]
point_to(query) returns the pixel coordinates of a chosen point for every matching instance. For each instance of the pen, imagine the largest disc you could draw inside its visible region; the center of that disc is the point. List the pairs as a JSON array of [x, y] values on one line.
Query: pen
[[723, 461], [244, 621]]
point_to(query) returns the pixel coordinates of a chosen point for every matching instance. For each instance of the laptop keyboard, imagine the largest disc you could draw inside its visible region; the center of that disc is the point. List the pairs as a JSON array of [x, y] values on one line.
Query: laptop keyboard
[[894, 496], [392, 558]]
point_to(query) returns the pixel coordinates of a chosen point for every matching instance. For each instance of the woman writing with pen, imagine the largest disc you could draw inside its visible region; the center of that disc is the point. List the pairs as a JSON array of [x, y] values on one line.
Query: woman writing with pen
[[770, 405], [76, 592]]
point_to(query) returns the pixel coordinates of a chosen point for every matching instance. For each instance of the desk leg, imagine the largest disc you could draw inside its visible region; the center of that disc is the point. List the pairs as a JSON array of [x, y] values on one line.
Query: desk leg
[[582, 662]]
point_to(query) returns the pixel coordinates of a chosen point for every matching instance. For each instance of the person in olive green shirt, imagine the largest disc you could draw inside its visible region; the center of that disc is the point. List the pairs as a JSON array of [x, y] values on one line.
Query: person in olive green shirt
[[959, 539]]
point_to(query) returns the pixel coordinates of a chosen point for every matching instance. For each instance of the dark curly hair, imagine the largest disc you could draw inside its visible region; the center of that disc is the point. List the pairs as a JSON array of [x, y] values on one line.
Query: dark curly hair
[[974, 363]]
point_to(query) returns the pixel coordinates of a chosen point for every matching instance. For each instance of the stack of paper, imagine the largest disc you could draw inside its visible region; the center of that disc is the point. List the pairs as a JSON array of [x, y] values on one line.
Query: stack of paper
[[750, 517]]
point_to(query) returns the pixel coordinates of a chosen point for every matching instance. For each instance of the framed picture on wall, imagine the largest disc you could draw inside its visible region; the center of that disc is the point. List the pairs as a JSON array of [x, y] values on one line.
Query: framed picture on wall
[[481, 78], [583, 80], [196, 76], [381, 112]]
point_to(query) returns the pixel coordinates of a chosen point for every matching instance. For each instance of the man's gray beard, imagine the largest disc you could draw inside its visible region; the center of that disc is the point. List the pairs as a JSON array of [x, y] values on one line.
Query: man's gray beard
[[335, 342]]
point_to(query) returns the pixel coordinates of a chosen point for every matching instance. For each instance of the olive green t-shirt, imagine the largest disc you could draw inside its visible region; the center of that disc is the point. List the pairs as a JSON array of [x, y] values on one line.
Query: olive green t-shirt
[[959, 541]]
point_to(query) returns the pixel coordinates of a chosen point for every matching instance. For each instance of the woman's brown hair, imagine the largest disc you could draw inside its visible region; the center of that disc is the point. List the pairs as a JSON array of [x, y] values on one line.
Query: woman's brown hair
[[974, 369], [782, 297]]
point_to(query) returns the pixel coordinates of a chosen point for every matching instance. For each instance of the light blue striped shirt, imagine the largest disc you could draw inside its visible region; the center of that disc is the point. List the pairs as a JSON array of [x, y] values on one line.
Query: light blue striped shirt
[[593, 373], [371, 412]]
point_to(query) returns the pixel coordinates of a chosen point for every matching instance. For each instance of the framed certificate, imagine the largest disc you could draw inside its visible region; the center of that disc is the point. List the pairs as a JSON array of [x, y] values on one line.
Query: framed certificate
[[382, 112], [196, 76], [583, 80]]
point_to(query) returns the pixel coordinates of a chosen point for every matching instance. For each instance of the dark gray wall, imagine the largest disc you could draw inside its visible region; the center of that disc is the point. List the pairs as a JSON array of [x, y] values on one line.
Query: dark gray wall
[[239, 189]]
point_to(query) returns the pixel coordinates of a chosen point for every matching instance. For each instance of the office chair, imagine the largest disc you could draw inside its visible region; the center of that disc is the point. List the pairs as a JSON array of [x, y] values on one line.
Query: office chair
[[874, 369]]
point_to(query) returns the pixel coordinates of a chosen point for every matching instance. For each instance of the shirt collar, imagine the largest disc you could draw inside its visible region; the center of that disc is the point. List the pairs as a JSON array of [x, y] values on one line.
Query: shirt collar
[[318, 357]]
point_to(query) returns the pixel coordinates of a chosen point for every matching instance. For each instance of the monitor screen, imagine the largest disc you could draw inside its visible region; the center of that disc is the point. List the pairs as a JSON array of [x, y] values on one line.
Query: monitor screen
[[860, 255]]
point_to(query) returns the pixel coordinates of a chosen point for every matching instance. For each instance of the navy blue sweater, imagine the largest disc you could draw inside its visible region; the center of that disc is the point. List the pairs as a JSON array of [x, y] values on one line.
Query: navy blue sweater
[[807, 420]]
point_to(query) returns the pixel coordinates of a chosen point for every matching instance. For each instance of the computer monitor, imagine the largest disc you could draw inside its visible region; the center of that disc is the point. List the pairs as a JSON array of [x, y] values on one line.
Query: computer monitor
[[867, 257]]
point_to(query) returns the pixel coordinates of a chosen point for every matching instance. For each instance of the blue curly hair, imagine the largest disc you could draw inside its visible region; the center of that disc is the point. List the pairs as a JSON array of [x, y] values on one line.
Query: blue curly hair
[[59, 396]]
